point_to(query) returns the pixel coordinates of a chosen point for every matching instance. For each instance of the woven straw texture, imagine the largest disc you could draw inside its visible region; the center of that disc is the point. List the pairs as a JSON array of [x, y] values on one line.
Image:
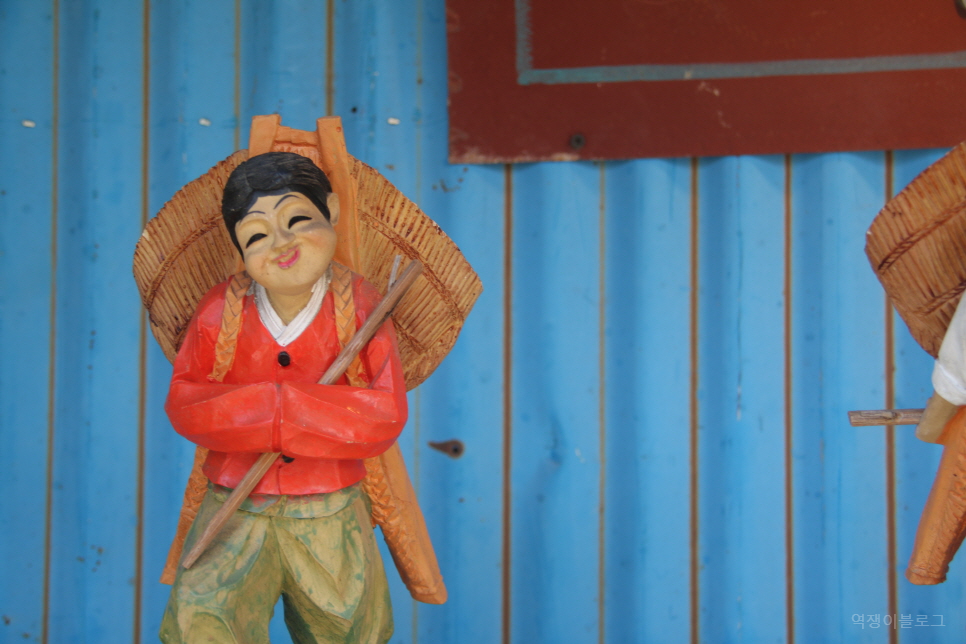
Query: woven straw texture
[[186, 250], [917, 247]]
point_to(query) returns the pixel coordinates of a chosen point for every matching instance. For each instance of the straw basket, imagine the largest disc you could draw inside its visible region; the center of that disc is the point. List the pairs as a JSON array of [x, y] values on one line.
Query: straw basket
[[917, 247], [186, 250]]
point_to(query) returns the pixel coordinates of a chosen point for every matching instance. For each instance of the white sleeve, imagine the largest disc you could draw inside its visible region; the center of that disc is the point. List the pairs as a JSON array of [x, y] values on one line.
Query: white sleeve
[[949, 374]]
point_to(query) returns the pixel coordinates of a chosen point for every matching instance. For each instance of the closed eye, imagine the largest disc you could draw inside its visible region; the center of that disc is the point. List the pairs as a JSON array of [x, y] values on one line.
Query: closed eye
[[254, 238], [296, 219]]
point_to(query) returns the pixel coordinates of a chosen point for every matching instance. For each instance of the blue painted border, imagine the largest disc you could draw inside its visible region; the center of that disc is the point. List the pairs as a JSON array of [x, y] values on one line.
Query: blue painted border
[[527, 75]]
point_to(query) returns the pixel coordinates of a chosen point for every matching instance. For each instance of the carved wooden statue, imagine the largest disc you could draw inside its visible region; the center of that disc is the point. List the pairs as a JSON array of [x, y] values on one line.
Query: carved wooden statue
[[917, 246], [316, 232]]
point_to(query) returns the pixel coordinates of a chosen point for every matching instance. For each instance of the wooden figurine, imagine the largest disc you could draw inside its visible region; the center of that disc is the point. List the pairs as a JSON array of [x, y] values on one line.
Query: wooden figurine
[[294, 399], [917, 247]]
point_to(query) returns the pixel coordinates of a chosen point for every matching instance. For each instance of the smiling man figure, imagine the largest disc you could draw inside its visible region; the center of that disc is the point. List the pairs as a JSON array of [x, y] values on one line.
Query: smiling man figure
[[244, 383]]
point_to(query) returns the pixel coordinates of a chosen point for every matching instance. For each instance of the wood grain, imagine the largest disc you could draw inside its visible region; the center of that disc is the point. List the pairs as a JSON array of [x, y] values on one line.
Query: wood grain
[[871, 417]]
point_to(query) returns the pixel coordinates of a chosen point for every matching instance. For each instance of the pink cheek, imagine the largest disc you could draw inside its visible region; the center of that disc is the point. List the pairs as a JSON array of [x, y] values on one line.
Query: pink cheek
[[257, 264]]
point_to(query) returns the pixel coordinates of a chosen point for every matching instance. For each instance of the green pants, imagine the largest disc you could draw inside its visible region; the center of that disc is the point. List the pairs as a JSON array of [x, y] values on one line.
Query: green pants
[[317, 552]]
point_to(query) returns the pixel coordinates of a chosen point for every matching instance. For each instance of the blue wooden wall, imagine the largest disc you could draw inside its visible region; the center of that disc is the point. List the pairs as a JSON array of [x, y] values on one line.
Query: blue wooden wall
[[651, 390]]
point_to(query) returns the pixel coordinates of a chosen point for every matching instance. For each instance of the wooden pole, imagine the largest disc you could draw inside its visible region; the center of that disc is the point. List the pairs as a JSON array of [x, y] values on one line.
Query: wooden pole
[[870, 417], [333, 373]]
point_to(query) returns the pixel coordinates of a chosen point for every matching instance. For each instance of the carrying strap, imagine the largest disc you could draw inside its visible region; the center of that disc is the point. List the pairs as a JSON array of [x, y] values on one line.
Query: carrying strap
[[345, 318], [231, 322]]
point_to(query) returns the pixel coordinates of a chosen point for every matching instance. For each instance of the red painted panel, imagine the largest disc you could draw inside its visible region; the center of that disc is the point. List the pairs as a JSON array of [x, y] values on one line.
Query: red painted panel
[[734, 77], [567, 34]]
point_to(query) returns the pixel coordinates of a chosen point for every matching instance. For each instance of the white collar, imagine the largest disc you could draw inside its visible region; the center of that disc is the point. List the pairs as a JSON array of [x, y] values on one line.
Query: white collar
[[286, 334]]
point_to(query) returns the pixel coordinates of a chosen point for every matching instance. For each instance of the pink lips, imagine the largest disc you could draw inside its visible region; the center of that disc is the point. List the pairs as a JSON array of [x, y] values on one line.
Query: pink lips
[[293, 257]]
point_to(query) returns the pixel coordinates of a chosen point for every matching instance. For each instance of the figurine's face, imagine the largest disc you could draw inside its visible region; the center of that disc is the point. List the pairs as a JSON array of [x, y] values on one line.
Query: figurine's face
[[287, 243]]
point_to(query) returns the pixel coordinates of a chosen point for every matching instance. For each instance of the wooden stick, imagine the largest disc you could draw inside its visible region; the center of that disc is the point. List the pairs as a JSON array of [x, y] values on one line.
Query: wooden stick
[[870, 417], [333, 373], [396, 261]]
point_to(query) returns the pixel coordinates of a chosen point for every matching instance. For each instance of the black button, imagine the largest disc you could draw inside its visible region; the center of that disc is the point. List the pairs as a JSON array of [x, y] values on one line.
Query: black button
[[284, 359]]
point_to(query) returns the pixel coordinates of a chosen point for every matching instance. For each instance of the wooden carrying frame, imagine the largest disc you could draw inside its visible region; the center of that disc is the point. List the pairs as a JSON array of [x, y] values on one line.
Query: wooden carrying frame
[[917, 248], [186, 250]]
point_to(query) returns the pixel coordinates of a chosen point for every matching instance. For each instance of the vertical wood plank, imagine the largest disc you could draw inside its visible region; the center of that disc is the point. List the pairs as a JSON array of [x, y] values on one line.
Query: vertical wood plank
[[461, 497], [283, 62], [741, 399], [26, 128], [377, 87], [506, 491], [889, 402], [192, 128], [694, 411], [916, 465], [555, 452], [839, 473], [95, 478], [145, 189], [788, 401], [647, 480]]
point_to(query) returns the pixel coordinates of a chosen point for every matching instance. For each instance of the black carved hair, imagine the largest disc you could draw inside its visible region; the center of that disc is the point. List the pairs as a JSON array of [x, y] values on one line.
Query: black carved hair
[[271, 173]]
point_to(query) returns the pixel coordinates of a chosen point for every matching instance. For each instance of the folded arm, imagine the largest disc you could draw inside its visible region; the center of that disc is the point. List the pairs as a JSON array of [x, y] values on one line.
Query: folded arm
[[296, 418]]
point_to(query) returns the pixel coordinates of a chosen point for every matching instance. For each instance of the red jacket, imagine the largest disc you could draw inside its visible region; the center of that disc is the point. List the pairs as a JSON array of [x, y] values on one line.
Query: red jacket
[[264, 407]]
